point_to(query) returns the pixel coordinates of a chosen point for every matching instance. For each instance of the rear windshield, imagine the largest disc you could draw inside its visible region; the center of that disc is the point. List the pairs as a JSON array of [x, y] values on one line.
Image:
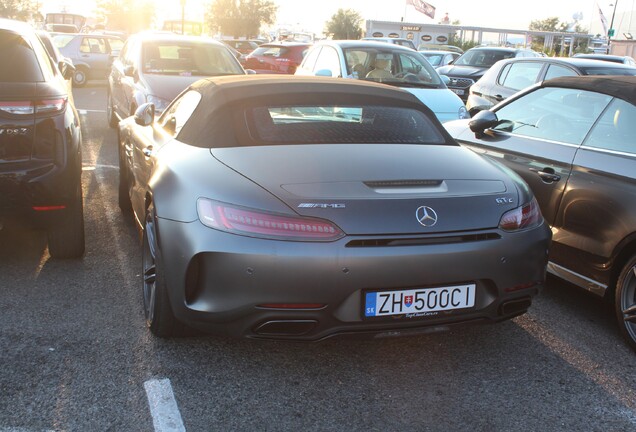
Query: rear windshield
[[483, 58], [610, 71], [341, 125], [24, 62], [270, 51], [193, 59]]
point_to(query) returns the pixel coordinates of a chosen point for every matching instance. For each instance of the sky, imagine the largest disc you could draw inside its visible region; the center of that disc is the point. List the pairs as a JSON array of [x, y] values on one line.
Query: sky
[[510, 14]]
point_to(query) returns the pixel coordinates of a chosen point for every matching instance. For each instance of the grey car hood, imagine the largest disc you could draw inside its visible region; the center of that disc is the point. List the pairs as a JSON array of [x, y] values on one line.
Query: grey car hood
[[167, 86], [377, 189]]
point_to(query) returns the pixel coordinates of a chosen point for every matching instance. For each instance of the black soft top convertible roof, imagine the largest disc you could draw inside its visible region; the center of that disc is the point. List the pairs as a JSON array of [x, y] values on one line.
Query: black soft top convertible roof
[[622, 87], [224, 100]]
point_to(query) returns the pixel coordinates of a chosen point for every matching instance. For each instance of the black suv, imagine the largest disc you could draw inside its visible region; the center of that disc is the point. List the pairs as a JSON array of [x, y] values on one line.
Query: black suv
[[474, 63], [572, 140], [40, 142]]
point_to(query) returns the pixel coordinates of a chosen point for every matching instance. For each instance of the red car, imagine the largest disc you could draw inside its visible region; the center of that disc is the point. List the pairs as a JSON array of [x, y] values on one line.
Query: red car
[[276, 58]]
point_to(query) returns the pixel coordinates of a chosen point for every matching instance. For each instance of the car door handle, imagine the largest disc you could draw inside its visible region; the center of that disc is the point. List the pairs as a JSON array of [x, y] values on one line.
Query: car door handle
[[547, 175], [85, 55], [147, 151]]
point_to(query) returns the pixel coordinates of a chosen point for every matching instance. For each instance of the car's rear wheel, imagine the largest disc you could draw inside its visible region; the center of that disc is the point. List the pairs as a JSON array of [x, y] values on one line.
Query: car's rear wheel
[[66, 239], [159, 316], [110, 112], [626, 301], [80, 77]]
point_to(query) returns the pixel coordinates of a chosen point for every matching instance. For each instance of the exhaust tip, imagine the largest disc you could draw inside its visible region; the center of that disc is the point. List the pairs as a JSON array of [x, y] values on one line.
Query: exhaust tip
[[515, 307], [286, 327]]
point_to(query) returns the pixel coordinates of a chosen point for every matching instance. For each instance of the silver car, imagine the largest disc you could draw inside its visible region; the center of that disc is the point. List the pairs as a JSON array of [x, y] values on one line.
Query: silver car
[[304, 208], [156, 67]]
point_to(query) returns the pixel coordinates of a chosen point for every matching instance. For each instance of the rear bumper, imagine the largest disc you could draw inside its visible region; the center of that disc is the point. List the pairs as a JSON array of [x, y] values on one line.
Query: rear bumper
[[229, 284]]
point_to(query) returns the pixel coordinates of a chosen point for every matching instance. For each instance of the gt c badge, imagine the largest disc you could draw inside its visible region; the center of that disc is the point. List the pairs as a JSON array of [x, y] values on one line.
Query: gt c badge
[[426, 216], [321, 205]]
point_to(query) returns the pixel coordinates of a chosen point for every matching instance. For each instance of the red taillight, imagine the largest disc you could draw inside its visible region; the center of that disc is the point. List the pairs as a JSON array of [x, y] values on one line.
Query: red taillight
[[292, 305], [260, 224], [44, 106], [49, 208], [523, 217]]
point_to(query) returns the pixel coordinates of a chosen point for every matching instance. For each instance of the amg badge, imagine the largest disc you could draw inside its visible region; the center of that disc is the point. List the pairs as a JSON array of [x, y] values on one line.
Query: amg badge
[[321, 205]]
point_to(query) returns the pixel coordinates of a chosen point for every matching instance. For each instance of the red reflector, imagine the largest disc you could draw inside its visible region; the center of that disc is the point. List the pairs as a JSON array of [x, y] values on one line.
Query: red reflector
[[292, 305], [521, 287], [49, 208]]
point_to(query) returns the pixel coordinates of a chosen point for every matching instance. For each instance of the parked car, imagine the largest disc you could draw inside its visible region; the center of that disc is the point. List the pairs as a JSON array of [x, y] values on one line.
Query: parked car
[[40, 143], [438, 58], [303, 208], [242, 45], [397, 41], [156, 67], [386, 63], [572, 140], [509, 76], [277, 57], [91, 54], [439, 47], [474, 63], [610, 58]]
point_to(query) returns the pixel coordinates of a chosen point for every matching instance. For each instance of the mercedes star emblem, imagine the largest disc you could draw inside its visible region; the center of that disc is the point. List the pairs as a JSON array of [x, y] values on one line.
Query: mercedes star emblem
[[426, 216]]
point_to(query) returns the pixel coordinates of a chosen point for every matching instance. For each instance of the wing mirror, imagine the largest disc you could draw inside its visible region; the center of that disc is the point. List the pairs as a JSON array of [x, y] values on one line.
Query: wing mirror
[[145, 114], [483, 120], [445, 79], [67, 68], [129, 71]]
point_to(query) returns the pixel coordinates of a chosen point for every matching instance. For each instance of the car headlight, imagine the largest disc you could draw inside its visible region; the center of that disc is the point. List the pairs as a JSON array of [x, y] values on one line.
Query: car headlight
[[463, 113], [258, 223], [159, 103], [522, 218]]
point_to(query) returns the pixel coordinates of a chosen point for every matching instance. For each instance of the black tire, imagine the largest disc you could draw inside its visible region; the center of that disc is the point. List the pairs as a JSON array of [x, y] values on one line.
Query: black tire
[[66, 239], [123, 196], [625, 301], [113, 121], [159, 316], [80, 77]]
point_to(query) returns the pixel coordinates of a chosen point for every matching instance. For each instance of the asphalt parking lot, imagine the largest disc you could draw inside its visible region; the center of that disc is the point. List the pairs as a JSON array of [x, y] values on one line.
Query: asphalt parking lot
[[76, 355]]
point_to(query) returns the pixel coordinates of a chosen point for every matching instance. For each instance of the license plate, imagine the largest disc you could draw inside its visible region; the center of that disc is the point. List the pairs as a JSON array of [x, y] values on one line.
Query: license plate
[[458, 92], [415, 301]]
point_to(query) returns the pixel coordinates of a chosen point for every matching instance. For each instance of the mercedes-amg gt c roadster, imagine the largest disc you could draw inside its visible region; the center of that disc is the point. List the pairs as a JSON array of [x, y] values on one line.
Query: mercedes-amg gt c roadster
[[304, 208]]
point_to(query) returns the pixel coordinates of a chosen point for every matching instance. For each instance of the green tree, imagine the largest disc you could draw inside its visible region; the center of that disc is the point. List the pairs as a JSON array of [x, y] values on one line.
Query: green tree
[[17, 9], [553, 24], [127, 15], [240, 17], [344, 24]]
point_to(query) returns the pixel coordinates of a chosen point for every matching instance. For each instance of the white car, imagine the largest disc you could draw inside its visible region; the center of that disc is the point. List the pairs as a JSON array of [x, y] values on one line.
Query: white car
[[385, 63]]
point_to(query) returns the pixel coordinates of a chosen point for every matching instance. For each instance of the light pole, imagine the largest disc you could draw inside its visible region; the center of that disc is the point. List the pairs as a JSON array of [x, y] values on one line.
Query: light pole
[[183, 3], [611, 31]]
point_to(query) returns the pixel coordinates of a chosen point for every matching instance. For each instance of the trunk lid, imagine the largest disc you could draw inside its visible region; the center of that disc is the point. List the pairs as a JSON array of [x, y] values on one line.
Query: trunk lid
[[378, 189]]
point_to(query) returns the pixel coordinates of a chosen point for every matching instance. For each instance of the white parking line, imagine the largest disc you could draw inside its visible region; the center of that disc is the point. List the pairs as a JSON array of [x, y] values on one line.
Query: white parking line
[[90, 167], [86, 111], [163, 406]]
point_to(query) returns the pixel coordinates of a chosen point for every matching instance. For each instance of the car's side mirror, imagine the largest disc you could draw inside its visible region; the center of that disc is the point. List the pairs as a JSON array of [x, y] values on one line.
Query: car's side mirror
[[129, 71], [323, 73], [445, 79], [145, 114], [250, 71], [483, 120], [66, 68]]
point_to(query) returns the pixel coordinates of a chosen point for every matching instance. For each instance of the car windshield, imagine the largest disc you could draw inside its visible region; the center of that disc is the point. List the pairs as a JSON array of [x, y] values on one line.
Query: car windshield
[[188, 59], [483, 57], [61, 40], [341, 125], [433, 58], [397, 67]]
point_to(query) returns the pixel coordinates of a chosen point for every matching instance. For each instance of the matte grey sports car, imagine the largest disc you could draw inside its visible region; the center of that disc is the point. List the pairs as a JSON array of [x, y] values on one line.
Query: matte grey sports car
[[303, 208]]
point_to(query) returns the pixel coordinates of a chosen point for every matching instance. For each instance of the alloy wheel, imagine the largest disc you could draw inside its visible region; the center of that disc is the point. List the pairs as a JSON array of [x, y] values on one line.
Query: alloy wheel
[[628, 302], [149, 268]]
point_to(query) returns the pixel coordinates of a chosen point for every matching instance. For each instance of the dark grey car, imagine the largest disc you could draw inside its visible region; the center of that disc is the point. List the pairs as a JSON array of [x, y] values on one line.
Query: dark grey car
[[573, 140], [156, 67], [507, 77], [304, 207]]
